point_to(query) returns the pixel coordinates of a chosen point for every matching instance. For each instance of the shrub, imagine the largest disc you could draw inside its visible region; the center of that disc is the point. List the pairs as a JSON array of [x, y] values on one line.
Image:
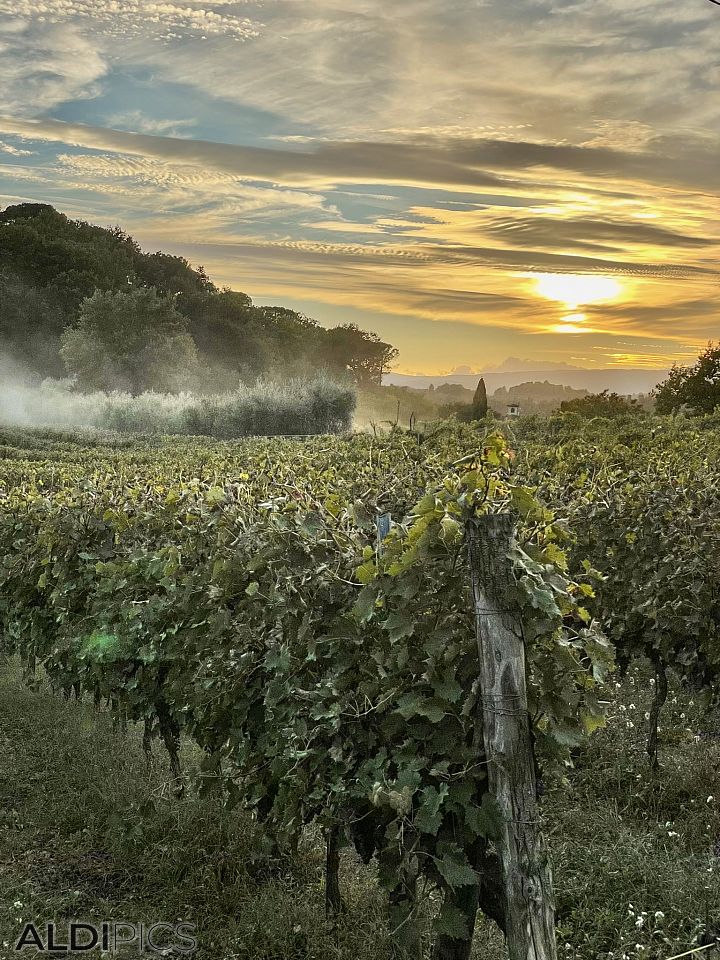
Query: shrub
[[297, 407]]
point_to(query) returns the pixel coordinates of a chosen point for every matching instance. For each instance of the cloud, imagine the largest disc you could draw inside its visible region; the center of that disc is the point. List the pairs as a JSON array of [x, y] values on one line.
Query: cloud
[[412, 160], [136, 17], [21, 174], [566, 70], [135, 121], [588, 233], [185, 201], [15, 151], [624, 135], [43, 65], [328, 163], [531, 260], [475, 164]]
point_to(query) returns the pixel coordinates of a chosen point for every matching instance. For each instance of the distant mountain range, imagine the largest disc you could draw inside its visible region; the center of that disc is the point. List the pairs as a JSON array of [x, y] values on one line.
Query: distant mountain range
[[516, 364], [624, 380]]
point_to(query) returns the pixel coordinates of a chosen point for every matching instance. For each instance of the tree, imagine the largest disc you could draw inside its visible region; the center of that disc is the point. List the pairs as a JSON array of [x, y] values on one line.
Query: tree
[[231, 336], [603, 404], [477, 410], [31, 324], [290, 339], [132, 340], [364, 355], [696, 387], [480, 403], [49, 264], [535, 397]]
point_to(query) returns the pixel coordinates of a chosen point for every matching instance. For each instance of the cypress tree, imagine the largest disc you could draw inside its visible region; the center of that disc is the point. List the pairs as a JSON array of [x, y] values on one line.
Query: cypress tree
[[480, 403]]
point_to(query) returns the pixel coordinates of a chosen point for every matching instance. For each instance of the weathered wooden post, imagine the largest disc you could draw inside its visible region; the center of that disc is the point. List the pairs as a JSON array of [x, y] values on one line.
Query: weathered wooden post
[[502, 702], [333, 898]]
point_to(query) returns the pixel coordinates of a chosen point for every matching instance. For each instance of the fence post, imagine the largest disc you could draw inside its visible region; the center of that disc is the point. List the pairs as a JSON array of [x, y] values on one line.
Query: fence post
[[383, 523], [503, 712]]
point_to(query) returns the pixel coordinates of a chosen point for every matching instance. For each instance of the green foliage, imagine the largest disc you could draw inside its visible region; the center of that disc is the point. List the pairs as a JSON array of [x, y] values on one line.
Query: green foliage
[[31, 324], [114, 844], [605, 404], [643, 500], [50, 265], [132, 340], [477, 410], [364, 355], [332, 682], [295, 407], [695, 387]]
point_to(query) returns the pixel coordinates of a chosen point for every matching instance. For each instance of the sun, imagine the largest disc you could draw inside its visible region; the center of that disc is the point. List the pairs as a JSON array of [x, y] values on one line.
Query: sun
[[574, 290], [572, 323]]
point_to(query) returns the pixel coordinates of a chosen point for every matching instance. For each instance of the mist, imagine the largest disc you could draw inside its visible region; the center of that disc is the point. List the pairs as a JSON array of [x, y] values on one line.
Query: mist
[[27, 402], [292, 407]]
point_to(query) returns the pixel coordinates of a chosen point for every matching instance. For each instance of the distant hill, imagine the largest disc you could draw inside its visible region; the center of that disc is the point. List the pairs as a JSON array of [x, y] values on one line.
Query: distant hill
[[623, 380], [517, 364]]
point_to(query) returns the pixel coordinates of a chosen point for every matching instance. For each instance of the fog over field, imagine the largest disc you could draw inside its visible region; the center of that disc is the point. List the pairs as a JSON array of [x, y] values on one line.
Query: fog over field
[[295, 407]]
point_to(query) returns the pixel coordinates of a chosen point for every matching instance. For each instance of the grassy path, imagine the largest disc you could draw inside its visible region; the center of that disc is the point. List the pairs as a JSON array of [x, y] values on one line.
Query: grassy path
[[89, 832]]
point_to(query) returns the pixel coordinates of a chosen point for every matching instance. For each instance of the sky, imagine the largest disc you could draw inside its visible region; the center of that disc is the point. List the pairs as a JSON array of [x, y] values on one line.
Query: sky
[[470, 179]]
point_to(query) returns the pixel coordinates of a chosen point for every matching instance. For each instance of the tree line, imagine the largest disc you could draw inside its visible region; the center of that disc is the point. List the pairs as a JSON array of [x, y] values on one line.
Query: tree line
[[84, 300]]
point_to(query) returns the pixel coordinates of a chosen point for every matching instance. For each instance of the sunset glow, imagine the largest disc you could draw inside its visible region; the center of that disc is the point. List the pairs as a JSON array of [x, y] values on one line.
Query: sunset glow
[[574, 291], [465, 180]]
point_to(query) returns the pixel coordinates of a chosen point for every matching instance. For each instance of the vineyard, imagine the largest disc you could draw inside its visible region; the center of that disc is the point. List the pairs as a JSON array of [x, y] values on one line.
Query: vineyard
[[301, 612]]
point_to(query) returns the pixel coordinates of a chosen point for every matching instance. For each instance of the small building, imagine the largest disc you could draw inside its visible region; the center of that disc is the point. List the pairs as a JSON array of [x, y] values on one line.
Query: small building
[[513, 409]]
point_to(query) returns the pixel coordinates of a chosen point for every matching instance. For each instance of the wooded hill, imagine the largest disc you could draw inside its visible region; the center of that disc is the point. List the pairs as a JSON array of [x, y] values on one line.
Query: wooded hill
[[50, 264]]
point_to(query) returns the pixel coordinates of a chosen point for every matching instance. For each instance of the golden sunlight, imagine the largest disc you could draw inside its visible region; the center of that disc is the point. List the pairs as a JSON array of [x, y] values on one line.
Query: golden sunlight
[[569, 328], [576, 289], [572, 323]]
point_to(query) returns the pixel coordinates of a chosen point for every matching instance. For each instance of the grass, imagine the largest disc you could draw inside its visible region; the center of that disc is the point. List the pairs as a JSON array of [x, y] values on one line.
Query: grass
[[89, 831]]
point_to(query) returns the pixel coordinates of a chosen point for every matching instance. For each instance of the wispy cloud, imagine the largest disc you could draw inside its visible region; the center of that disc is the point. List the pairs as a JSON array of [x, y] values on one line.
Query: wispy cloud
[[44, 64], [135, 17], [15, 151], [135, 121], [479, 163], [398, 164]]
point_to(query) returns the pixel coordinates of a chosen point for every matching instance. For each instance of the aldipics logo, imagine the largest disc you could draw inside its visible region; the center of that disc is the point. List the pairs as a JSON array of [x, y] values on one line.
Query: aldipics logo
[[111, 936]]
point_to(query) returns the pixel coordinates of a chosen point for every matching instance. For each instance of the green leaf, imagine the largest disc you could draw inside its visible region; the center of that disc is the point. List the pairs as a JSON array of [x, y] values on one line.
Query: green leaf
[[364, 606], [429, 817], [452, 922], [215, 495], [411, 705], [455, 868], [399, 625], [362, 516], [366, 572], [452, 531], [485, 820], [592, 722], [523, 501]]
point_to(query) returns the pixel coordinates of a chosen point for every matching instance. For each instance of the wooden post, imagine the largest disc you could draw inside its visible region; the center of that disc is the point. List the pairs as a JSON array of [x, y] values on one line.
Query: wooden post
[[333, 898], [661, 692], [502, 703]]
